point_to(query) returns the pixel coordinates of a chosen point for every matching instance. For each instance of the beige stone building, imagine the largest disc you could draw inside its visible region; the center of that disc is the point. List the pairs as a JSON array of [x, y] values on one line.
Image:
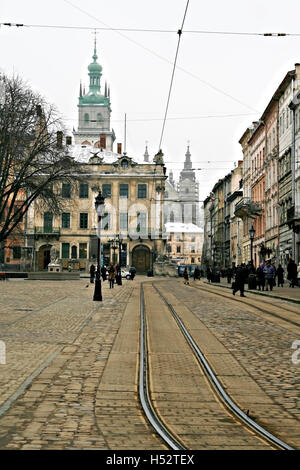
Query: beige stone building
[[184, 242], [132, 231]]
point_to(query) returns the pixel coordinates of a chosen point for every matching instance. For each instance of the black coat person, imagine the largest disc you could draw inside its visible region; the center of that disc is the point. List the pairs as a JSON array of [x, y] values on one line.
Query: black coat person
[[260, 278], [279, 274], [196, 273], [92, 273], [240, 279], [292, 273], [132, 272], [229, 274], [103, 273], [118, 275]]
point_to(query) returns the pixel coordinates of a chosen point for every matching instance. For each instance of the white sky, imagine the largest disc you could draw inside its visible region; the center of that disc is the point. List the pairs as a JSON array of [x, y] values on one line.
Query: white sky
[[248, 68]]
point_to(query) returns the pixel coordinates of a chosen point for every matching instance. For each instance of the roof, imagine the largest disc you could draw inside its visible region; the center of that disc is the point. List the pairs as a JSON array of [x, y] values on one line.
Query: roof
[[83, 153], [177, 227]]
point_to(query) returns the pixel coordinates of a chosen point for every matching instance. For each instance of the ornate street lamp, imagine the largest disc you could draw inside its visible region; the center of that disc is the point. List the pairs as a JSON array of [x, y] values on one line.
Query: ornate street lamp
[[99, 206], [251, 233]]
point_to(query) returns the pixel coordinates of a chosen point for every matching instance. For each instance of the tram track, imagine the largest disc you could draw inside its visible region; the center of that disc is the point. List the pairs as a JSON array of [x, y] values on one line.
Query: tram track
[[146, 393]]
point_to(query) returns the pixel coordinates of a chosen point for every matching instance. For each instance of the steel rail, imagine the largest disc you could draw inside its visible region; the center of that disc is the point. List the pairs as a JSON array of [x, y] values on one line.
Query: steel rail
[[217, 385], [144, 394]]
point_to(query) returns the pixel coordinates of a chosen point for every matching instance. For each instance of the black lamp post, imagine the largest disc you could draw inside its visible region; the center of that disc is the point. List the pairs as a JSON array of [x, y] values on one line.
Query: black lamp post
[[99, 205], [251, 233]]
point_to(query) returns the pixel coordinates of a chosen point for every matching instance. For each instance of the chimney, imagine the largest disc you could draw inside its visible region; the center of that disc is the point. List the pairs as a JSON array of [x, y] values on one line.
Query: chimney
[[120, 148], [59, 139], [103, 141], [68, 140]]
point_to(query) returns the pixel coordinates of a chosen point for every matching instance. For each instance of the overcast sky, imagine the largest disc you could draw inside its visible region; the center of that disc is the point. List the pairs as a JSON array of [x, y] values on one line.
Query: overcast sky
[[222, 82]]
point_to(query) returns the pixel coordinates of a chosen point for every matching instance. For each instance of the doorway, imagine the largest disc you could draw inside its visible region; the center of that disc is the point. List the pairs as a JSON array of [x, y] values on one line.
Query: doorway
[[141, 258], [44, 257]]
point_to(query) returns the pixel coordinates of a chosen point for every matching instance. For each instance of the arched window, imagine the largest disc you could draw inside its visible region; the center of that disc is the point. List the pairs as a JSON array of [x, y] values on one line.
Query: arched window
[[99, 117], [86, 117]]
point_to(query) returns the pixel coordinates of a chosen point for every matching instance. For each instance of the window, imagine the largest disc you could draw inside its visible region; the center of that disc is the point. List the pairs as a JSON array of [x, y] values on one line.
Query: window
[[123, 221], [83, 250], [83, 222], [86, 117], [65, 220], [142, 191], [65, 250], [178, 249], [48, 221], [66, 190], [74, 252], [124, 164], [83, 190], [16, 252], [124, 190], [106, 221], [141, 222], [106, 190], [99, 117]]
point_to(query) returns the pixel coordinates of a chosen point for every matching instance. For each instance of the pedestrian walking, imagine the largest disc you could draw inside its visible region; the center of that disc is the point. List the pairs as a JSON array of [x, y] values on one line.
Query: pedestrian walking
[[103, 273], [209, 274], [111, 275], [260, 277], [186, 276], [197, 273], [292, 272], [132, 272], [279, 274], [118, 275], [269, 273], [92, 273], [240, 279], [229, 275]]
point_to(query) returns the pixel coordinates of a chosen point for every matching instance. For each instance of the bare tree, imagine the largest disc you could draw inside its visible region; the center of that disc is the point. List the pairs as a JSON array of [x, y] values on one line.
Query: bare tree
[[32, 156]]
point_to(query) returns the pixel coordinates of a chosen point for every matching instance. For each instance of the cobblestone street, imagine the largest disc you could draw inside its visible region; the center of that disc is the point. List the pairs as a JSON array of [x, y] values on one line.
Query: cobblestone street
[[71, 372]]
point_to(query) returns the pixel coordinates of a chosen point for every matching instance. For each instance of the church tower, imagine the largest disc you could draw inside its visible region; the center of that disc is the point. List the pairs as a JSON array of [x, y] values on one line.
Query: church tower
[[94, 111], [188, 189]]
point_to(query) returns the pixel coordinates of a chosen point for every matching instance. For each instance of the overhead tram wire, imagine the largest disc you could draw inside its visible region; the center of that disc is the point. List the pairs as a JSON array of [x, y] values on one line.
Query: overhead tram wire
[[149, 30], [179, 32], [160, 56]]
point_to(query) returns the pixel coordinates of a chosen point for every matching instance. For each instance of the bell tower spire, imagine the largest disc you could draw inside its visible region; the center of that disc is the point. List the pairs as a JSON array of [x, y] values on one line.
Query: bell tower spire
[[95, 71]]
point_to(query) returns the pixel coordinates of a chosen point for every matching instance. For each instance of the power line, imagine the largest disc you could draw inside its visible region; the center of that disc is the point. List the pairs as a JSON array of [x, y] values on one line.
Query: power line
[[173, 73], [148, 30], [160, 57], [169, 118]]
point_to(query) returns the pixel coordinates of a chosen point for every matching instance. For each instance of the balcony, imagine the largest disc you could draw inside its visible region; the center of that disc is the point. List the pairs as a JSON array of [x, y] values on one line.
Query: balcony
[[46, 232], [293, 219], [247, 208]]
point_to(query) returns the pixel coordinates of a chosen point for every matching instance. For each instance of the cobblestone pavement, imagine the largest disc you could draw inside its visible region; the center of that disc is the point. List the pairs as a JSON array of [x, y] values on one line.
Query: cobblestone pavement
[[262, 347], [70, 378], [285, 291], [60, 389]]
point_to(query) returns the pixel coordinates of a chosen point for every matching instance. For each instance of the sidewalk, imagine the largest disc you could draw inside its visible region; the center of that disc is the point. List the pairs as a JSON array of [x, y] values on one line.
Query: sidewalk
[[283, 293]]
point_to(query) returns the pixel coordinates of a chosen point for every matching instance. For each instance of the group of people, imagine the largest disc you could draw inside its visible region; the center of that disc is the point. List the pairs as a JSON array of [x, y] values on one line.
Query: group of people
[[112, 273], [265, 276], [197, 275]]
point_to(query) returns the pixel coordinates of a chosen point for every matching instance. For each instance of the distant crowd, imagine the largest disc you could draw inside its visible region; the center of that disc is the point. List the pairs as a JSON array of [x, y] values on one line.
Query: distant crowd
[[264, 277]]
